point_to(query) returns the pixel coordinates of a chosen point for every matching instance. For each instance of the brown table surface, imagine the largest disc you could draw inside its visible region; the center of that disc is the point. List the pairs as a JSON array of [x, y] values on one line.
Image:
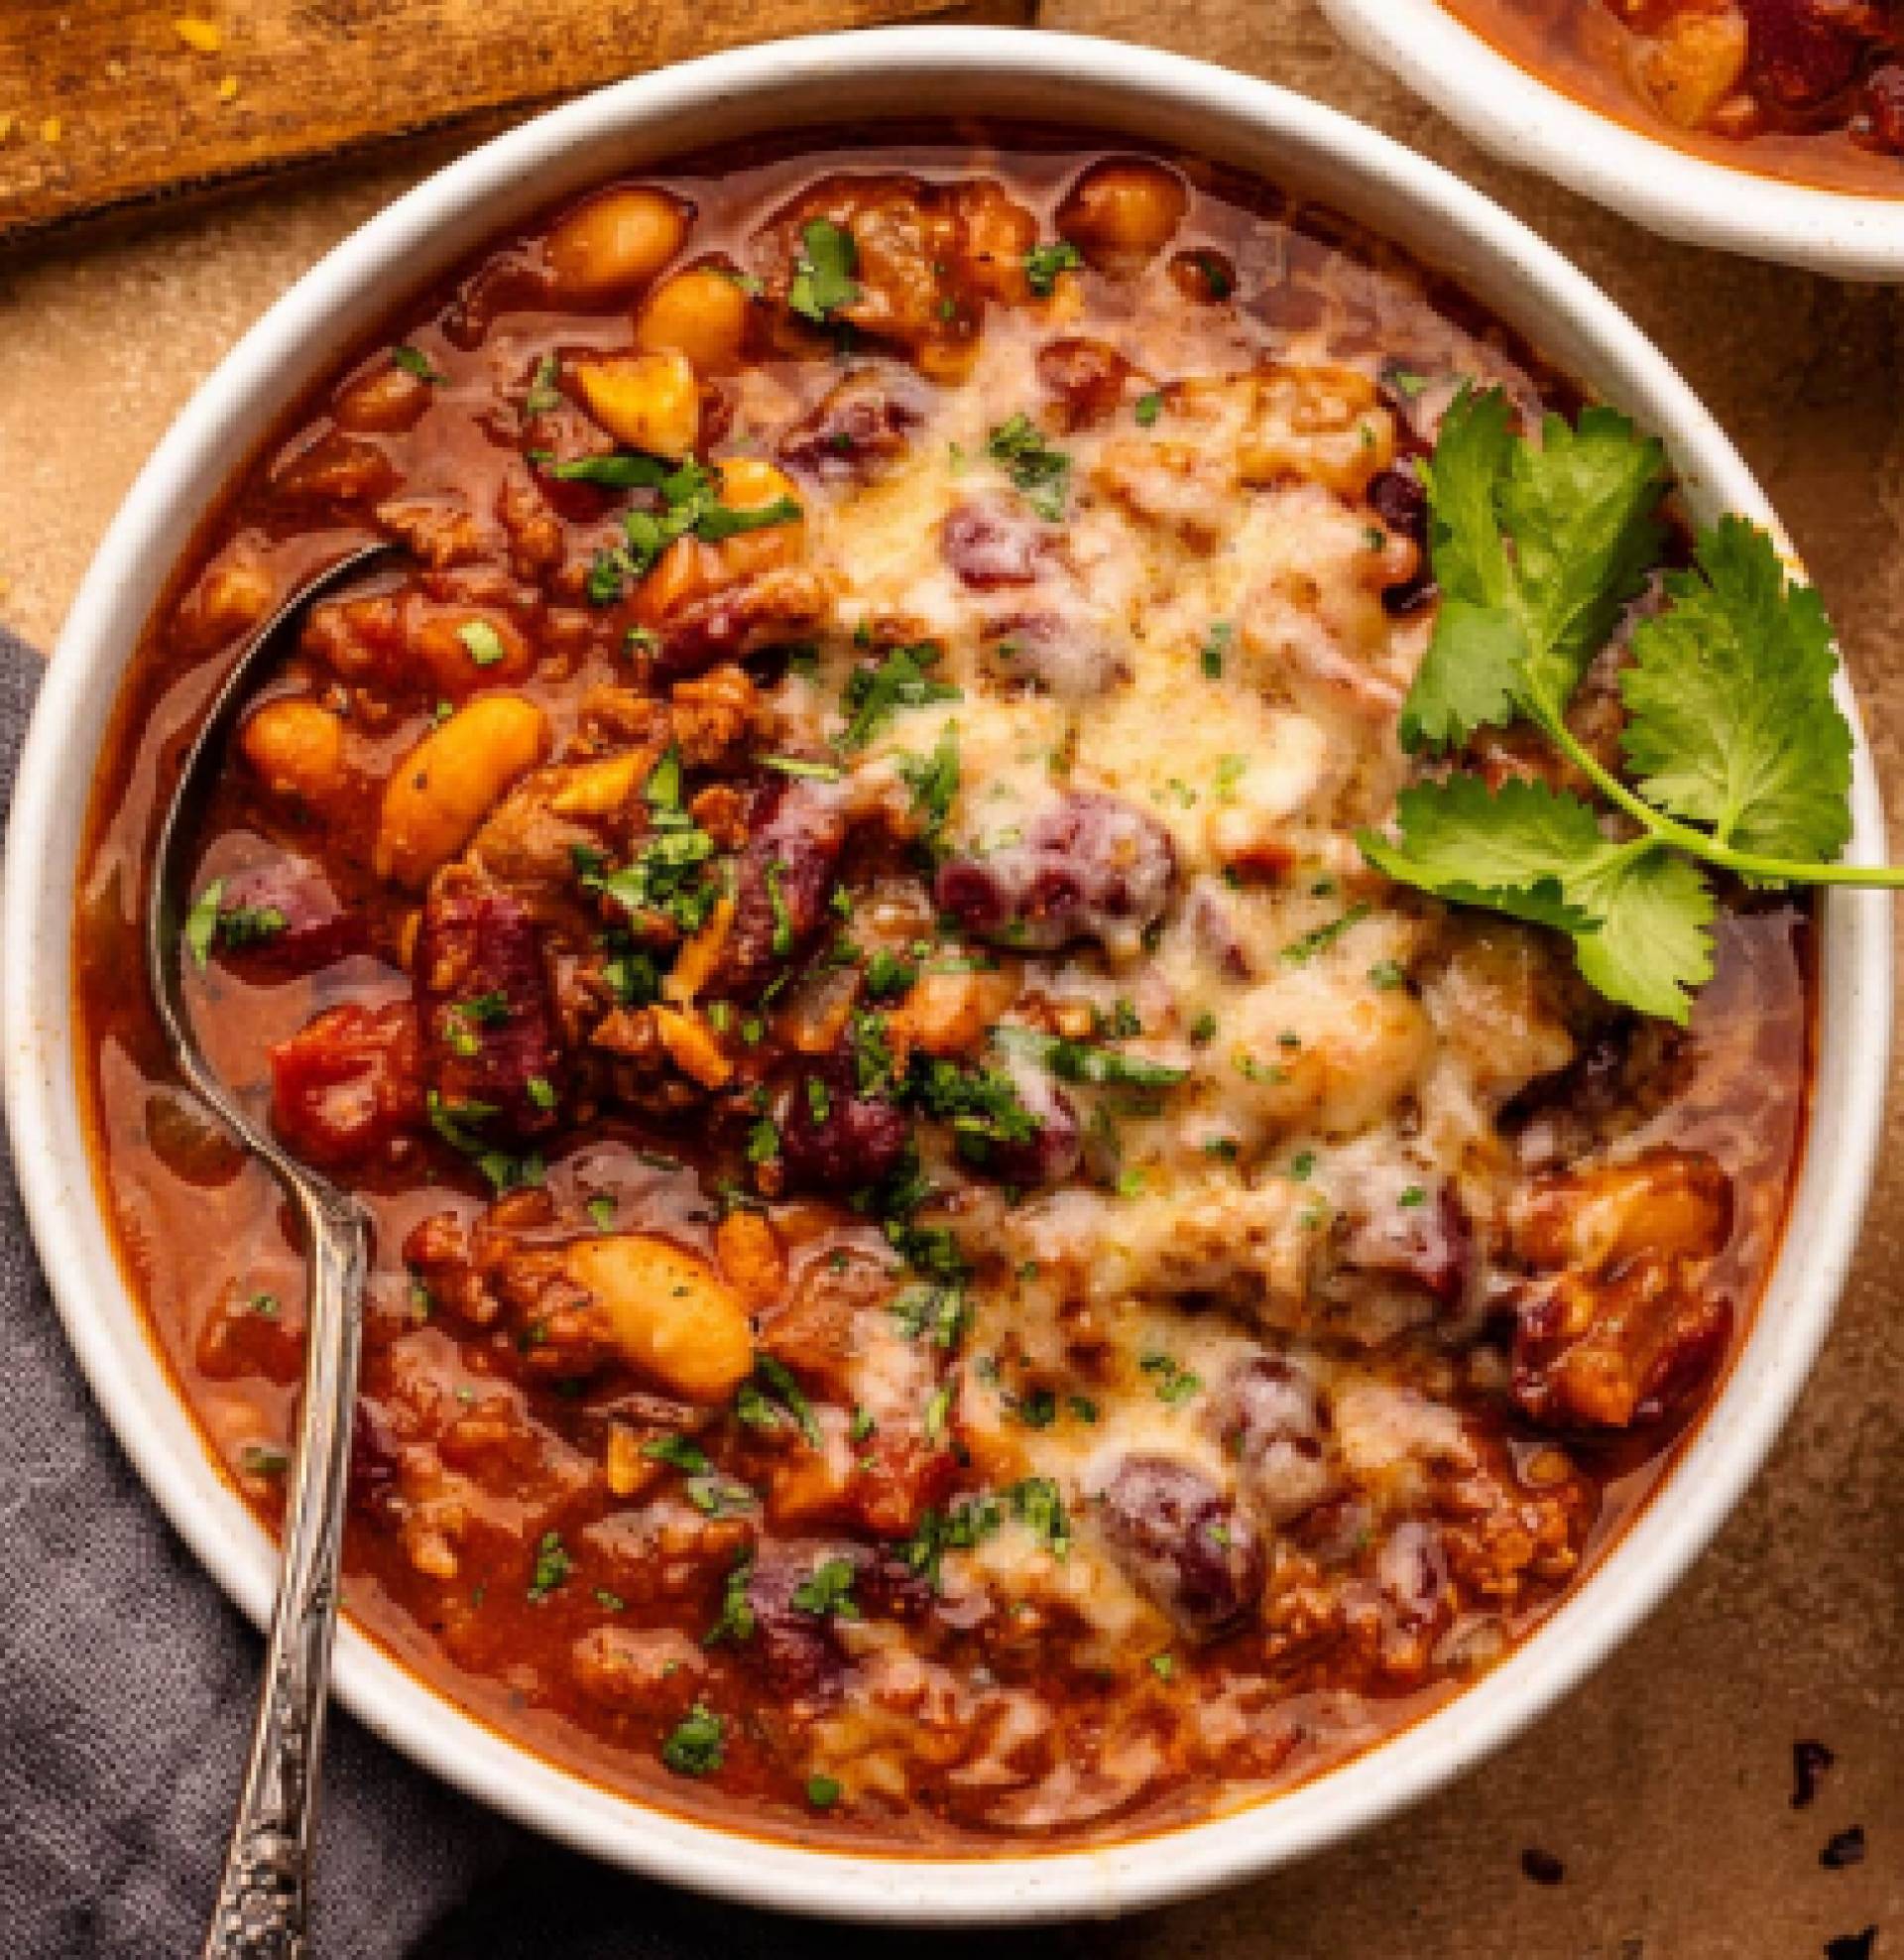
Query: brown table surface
[[1664, 1785]]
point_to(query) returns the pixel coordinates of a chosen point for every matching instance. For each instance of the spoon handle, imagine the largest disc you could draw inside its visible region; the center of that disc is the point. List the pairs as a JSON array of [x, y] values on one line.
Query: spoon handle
[[262, 1906]]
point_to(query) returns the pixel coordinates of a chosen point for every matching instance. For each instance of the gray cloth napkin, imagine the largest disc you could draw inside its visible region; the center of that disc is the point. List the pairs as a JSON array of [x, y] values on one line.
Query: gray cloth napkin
[[126, 1693]]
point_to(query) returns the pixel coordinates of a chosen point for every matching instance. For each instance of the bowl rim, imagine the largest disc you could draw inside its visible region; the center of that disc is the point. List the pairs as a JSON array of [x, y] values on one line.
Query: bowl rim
[[1524, 120], [1108, 86]]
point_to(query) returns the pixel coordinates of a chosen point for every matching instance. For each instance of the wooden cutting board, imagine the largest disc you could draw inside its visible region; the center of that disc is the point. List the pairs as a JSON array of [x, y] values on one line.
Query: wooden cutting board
[[110, 105]]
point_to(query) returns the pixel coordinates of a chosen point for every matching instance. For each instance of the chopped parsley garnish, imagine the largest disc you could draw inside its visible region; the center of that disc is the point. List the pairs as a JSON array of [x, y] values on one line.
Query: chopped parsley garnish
[[543, 395], [697, 1747], [483, 642], [888, 976], [1387, 975], [620, 470], [737, 1621], [1078, 1061], [1038, 1503], [540, 1091], [1411, 1197], [1214, 649], [782, 918], [412, 360], [968, 1523], [267, 1306], [690, 504], [823, 1792], [819, 772], [823, 271], [1298, 952], [1148, 408], [983, 1105], [264, 1461], [1174, 1383], [898, 679], [1043, 262], [601, 1212], [211, 923], [458, 1124], [1040, 474], [1302, 1165], [763, 1142], [552, 1568], [775, 1373], [828, 1591], [1163, 1665], [934, 781], [678, 1452]]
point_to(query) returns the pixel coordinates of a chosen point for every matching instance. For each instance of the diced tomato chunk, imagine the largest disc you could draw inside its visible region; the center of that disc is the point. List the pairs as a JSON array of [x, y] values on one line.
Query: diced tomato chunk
[[346, 1085]]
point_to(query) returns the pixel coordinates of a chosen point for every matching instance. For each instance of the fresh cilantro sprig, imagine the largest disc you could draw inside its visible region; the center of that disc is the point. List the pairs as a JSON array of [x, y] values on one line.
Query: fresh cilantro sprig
[[1740, 758]]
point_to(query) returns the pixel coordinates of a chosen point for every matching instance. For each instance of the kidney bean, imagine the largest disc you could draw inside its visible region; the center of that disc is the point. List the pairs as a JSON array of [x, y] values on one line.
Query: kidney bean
[[1066, 655], [489, 1025], [1799, 56], [859, 1140], [1090, 378], [795, 1649], [781, 886], [860, 429], [1883, 107], [990, 543], [1273, 1420], [1428, 1245], [1398, 498], [1183, 1543], [1092, 867], [373, 1459], [314, 929]]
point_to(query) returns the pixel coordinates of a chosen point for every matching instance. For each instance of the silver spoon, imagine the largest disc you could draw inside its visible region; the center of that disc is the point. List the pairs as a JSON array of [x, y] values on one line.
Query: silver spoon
[[263, 1907]]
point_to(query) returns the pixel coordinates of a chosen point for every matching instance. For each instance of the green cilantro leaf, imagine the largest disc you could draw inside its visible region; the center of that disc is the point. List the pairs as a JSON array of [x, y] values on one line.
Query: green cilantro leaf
[[1732, 721], [1653, 945], [698, 1745], [823, 271], [1535, 551], [1511, 850], [1040, 474]]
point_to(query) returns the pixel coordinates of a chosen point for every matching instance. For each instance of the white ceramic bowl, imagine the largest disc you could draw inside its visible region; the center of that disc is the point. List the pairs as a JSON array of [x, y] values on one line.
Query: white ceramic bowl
[[1525, 122], [824, 82]]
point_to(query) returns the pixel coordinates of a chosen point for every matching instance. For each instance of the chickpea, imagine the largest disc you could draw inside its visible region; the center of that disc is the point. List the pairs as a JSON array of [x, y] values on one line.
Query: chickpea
[[1121, 214], [651, 402], [701, 313], [298, 750], [615, 242], [386, 400], [451, 780]]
